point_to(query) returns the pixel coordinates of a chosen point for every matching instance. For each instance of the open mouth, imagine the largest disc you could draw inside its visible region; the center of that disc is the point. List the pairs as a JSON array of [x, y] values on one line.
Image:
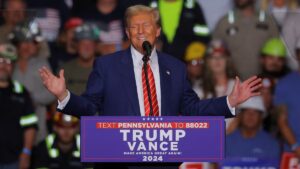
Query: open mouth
[[141, 38]]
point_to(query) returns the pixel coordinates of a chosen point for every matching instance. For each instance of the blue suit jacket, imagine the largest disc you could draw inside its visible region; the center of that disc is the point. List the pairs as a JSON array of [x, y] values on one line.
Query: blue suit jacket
[[112, 91]]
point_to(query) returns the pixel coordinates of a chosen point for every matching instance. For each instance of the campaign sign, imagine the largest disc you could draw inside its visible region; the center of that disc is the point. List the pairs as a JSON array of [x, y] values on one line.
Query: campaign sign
[[289, 160], [152, 139]]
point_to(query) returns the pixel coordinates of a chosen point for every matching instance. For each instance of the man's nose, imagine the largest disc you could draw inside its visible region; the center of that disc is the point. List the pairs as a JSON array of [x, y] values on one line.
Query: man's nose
[[141, 29]]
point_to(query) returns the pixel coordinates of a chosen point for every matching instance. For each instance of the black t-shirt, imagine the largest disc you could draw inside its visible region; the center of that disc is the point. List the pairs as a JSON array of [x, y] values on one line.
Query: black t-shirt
[[91, 13], [16, 115], [111, 25]]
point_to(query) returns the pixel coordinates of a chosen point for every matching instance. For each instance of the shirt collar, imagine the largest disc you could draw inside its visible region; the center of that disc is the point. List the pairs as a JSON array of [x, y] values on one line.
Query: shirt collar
[[137, 57]]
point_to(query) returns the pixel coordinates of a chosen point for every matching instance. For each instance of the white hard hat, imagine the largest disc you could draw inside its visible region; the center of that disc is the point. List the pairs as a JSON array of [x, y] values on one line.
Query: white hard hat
[[256, 103]]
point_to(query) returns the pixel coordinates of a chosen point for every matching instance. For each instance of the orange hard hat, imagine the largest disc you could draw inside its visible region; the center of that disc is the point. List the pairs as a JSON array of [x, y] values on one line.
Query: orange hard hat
[[65, 120]]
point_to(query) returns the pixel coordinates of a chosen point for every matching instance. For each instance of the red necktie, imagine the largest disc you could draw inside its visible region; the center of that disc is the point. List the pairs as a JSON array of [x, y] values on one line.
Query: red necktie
[[153, 93]]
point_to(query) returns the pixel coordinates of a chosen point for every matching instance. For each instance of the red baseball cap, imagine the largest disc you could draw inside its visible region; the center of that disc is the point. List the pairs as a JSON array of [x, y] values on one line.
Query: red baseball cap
[[72, 23]]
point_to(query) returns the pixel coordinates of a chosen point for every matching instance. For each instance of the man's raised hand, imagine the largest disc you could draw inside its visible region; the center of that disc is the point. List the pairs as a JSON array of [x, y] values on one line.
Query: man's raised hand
[[244, 90], [55, 84]]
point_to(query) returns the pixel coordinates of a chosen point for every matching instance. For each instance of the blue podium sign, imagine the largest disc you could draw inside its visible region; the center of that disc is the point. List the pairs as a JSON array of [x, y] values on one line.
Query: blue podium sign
[[152, 139]]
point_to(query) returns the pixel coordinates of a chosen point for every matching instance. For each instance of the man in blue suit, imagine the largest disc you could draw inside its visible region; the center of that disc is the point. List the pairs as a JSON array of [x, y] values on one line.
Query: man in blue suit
[[116, 85]]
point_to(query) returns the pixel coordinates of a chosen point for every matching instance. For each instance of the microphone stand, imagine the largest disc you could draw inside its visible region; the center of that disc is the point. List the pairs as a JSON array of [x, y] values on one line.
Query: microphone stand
[[145, 60]]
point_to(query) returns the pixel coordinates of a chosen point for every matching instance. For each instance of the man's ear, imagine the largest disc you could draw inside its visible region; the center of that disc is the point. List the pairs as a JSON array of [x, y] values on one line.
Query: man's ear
[[127, 33], [158, 32]]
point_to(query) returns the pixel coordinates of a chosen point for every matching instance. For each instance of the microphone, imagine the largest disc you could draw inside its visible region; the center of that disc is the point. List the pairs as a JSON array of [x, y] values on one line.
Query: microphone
[[147, 48]]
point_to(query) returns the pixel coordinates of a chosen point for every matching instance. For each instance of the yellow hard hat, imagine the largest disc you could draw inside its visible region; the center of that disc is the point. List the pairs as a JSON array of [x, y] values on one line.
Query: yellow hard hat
[[274, 47], [195, 50]]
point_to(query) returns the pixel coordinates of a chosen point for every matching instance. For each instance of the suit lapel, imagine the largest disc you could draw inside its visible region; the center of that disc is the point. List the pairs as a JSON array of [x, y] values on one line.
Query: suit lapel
[[165, 84], [128, 79]]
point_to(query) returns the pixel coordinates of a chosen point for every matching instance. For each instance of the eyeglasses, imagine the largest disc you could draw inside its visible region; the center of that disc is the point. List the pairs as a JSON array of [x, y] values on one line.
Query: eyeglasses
[[5, 61], [196, 62]]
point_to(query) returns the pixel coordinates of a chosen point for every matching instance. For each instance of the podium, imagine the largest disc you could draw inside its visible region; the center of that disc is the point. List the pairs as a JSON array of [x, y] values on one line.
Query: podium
[[164, 139]]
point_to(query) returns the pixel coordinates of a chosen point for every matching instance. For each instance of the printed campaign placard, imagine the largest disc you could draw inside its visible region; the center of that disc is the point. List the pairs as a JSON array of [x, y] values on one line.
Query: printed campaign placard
[[152, 139], [289, 160]]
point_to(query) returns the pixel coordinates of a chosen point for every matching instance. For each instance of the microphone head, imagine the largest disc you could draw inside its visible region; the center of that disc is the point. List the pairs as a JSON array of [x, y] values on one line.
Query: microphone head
[[147, 48]]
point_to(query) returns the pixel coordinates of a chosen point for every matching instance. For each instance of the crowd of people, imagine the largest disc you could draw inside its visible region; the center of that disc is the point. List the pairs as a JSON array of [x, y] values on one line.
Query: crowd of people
[[218, 40]]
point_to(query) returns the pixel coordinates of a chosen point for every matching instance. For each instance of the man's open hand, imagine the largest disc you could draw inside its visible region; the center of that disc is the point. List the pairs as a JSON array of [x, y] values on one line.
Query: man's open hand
[[243, 91], [55, 85]]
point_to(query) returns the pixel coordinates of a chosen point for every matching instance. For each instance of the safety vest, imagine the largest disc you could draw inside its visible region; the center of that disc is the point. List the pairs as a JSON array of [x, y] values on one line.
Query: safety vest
[[190, 4], [198, 29], [54, 153], [18, 88], [231, 16], [29, 119]]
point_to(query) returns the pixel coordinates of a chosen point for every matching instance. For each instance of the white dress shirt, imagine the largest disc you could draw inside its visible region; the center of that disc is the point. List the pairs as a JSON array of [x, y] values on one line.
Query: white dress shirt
[[138, 65]]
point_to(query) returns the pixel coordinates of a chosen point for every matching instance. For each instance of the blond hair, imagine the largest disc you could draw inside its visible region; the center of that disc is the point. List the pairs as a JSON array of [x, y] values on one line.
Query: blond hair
[[137, 9]]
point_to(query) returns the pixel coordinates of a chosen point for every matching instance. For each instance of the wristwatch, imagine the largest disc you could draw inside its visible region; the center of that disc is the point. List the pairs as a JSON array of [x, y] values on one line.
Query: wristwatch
[[26, 151]]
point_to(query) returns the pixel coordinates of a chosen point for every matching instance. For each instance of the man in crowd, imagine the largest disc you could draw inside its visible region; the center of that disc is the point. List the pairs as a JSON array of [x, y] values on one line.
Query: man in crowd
[[180, 26], [13, 13], [27, 39], [273, 59], [245, 30], [108, 14], [61, 149], [286, 100], [65, 49], [77, 70], [249, 140], [18, 122], [16, 11]]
